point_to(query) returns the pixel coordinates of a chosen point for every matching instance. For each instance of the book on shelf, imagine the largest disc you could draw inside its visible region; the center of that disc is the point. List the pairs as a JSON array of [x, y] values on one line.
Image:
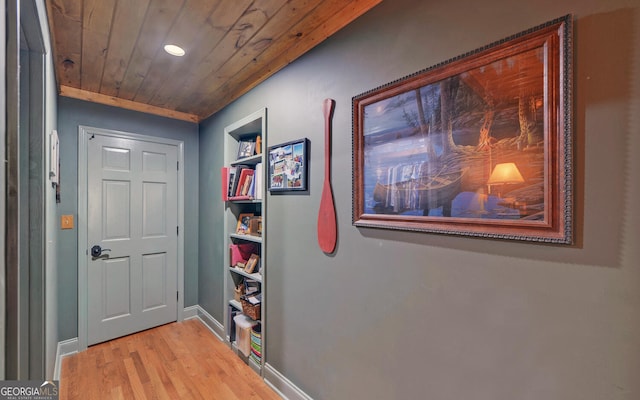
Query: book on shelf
[[252, 187], [246, 186], [238, 183], [251, 287], [253, 298], [224, 179], [259, 179], [236, 179], [242, 181], [227, 178], [232, 177]]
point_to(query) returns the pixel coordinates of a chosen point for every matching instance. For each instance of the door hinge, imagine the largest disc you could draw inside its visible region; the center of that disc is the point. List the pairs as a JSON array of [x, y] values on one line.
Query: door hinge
[[177, 296], [178, 230], [178, 165]]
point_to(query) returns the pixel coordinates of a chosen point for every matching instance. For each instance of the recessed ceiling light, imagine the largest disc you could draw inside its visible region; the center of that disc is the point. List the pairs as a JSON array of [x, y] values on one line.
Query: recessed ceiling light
[[174, 50]]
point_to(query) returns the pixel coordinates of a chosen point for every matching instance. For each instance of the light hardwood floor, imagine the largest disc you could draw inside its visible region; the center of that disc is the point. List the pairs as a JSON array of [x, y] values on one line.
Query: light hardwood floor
[[174, 361]]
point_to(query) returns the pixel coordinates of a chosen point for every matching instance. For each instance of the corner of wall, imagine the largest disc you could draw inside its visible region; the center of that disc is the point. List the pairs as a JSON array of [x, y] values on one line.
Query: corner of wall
[[2, 190], [50, 217]]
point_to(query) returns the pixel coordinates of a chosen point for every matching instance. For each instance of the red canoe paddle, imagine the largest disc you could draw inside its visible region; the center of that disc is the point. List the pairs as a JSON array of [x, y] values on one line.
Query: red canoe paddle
[[327, 231]]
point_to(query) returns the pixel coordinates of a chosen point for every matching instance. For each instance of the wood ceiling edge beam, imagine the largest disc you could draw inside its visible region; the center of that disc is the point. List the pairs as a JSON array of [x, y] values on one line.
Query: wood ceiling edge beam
[[75, 93]]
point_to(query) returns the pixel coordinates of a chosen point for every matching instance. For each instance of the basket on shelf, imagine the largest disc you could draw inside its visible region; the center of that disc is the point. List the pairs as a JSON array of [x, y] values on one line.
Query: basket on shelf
[[252, 310]]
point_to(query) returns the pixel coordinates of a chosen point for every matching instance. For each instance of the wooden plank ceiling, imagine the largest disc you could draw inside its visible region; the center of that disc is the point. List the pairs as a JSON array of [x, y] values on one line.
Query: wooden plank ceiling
[[111, 51]]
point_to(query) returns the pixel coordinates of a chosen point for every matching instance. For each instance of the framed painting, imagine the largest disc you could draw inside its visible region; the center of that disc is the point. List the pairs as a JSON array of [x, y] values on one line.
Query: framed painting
[[289, 166], [479, 145]]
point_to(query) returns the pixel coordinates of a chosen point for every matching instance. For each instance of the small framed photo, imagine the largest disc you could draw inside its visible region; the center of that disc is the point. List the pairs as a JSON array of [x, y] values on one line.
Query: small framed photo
[[246, 148], [252, 263], [289, 166], [244, 220], [255, 226]]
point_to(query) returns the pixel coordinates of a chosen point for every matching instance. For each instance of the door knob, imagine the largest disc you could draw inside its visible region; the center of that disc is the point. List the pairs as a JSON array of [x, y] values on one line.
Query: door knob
[[96, 251]]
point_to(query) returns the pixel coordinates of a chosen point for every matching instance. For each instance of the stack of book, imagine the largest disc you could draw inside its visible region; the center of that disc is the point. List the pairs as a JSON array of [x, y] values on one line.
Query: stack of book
[[242, 182]]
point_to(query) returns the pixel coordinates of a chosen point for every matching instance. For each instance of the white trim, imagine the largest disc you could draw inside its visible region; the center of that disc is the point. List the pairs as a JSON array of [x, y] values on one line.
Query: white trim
[[190, 312], [83, 294], [180, 282], [214, 326], [83, 132], [283, 386], [65, 348]]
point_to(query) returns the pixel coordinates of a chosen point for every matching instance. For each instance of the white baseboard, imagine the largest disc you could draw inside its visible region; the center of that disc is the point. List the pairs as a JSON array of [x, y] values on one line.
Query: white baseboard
[[65, 348], [283, 386], [190, 312], [198, 312]]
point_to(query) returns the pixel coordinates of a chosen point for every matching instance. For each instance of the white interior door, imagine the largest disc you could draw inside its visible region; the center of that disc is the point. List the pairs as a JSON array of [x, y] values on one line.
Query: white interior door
[[132, 214]]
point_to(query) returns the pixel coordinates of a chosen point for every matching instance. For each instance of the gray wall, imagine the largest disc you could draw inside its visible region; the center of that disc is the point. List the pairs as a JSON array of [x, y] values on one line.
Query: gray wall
[[397, 315], [51, 221], [38, 340], [210, 270], [71, 114], [43, 99]]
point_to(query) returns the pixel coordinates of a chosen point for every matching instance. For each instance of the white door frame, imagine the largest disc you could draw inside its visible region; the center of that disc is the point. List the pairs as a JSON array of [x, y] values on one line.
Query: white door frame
[[83, 296]]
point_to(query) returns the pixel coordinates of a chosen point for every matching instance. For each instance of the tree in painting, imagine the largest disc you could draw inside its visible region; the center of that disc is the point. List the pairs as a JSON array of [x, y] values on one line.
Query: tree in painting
[[467, 146]]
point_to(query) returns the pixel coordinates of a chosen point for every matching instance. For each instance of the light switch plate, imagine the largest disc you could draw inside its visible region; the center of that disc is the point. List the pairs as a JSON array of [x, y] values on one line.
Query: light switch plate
[[66, 222]]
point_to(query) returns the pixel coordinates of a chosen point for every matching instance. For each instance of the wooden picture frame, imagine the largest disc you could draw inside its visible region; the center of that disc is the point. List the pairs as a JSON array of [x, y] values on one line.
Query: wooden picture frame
[[289, 166], [255, 225], [251, 264], [243, 225], [480, 145]]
